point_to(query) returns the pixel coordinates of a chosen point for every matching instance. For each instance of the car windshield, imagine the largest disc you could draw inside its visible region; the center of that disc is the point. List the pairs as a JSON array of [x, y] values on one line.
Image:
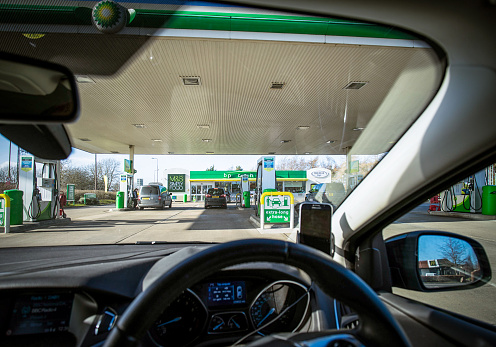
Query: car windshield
[[273, 101]]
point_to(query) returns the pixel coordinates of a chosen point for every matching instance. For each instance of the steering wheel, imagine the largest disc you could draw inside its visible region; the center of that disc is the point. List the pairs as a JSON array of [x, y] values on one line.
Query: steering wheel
[[377, 326]]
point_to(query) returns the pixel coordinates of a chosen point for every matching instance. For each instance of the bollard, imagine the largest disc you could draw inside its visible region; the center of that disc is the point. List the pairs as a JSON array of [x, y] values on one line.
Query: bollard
[[5, 218]]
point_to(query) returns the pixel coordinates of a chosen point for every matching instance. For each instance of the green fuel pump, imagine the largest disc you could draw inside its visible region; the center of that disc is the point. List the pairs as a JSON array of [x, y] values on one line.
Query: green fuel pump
[[40, 187]]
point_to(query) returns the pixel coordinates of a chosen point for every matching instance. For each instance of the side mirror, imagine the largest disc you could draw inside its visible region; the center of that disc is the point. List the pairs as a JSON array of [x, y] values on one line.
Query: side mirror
[[433, 261]]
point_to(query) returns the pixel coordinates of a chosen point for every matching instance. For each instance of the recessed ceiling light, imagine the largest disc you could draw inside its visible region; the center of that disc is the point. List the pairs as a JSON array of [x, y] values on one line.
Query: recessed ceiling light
[[139, 126], [191, 80], [203, 126], [303, 127], [84, 139], [84, 79], [330, 141], [355, 85], [308, 153], [209, 152], [207, 140], [285, 141], [358, 129], [277, 85], [156, 140]]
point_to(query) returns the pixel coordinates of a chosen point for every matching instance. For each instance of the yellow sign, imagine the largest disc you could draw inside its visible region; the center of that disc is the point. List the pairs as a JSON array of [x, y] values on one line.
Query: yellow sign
[[33, 36]]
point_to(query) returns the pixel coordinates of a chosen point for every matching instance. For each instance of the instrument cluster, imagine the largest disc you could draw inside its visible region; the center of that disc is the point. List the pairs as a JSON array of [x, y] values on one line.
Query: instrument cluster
[[232, 309]]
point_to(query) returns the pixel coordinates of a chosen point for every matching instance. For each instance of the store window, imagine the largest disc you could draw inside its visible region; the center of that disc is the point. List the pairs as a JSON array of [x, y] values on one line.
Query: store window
[[295, 187]]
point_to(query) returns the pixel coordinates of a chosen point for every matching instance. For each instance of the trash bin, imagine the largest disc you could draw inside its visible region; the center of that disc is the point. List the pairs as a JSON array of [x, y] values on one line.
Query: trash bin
[[488, 200], [16, 206], [246, 197], [185, 198], [119, 200]]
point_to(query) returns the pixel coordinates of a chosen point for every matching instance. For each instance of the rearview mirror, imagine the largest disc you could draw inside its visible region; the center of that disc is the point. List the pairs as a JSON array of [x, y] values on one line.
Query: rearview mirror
[[430, 260], [36, 92]]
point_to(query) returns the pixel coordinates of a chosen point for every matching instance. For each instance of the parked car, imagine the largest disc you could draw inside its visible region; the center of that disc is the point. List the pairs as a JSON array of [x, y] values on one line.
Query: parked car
[[154, 196], [331, 193], [215, 197]]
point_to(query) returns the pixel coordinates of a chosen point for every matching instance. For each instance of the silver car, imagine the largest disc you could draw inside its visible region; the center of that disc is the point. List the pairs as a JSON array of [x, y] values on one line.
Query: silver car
[[155, 196]]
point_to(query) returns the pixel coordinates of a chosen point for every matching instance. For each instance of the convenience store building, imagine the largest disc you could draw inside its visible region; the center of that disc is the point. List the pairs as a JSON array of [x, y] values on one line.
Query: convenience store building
[[196, 183]]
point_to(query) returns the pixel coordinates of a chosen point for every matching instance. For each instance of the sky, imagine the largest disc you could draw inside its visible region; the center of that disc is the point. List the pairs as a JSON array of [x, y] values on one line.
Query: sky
[[430, 247], [146, 166]]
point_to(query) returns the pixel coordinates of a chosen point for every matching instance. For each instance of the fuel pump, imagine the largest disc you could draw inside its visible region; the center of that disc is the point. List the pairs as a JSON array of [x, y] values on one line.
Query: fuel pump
[[245, 187], [126, 186], [476, 182], [38, 179], [465, 196], [266, 178]]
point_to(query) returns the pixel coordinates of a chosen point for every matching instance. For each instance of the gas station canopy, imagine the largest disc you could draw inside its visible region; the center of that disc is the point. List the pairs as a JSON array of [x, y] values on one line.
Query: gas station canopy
[[235, 82]]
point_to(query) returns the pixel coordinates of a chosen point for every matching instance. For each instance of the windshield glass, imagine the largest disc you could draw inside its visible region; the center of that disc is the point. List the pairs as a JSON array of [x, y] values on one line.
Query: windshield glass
[[200, 96]]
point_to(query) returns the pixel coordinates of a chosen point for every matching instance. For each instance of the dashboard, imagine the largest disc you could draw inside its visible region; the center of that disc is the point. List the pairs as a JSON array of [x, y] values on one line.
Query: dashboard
[[78, 303]]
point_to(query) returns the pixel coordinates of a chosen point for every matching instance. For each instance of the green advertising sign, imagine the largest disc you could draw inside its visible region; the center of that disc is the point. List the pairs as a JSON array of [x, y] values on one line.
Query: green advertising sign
[[277, 209], [71, 192], [277, 216], [176, 183], [236, 175]]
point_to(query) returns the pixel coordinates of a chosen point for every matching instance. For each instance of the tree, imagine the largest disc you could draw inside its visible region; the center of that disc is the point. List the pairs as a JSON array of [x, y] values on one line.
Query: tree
[[294, 163], [239, 168], [80, 176], [84, 176], [453, 250], [211, 168], [110, 168], [7, 182]]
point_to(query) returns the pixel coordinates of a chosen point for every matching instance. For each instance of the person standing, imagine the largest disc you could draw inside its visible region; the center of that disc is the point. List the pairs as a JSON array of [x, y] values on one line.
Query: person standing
[[62, 201], [135, 198]]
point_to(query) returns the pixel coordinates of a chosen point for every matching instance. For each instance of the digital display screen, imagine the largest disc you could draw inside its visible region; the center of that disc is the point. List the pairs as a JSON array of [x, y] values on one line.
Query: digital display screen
[[315, 226], [39, 314], [226, 293]]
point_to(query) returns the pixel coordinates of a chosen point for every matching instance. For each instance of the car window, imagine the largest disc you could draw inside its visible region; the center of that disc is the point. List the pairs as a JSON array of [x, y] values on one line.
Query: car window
[[149, 190], [467, 209], [216, 191]]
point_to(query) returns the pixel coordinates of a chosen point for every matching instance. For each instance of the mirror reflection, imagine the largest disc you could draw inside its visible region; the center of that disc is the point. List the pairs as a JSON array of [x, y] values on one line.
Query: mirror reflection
[[446, 261]]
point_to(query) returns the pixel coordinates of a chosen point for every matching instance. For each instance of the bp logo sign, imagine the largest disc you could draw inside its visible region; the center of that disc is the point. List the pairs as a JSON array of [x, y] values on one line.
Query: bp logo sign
[[176, 183], [109, 17], [277, 209]]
